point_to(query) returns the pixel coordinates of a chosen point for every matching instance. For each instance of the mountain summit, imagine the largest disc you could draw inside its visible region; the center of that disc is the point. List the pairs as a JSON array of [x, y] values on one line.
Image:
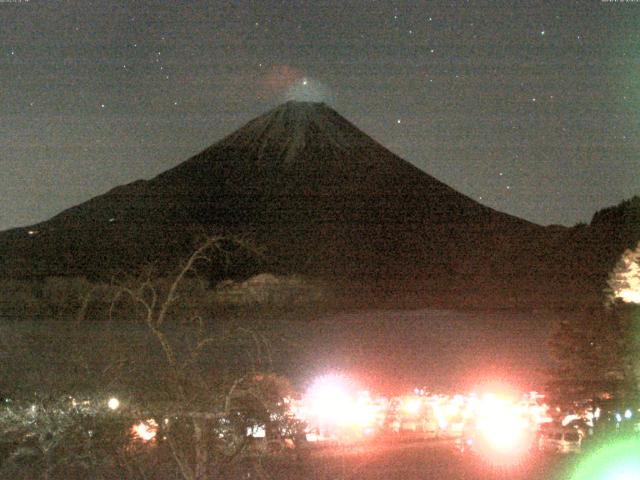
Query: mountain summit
[[282, 133], [322, 198]]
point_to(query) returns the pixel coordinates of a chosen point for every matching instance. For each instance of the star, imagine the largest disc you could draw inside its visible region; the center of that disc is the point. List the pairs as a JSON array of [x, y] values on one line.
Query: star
[[542, 33]]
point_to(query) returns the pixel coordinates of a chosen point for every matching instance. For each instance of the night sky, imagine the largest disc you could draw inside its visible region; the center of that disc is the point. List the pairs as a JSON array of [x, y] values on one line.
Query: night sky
[[531, 109]]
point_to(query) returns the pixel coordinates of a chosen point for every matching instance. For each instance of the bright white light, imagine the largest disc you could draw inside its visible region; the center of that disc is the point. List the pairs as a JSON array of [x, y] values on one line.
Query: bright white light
[[628, 414], [625, 278], [334, 407], [568, 419], [113, 403], [412, 405], [629, 296], [145, 430], [309, 90], [257, 431], [504, 430], [330, 399], [504, 435], [312, 437], [497, 423]]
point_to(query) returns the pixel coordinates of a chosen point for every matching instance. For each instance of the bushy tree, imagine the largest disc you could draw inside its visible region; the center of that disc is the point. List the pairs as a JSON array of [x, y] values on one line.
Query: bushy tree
[[64, 439], [589, 352], [598, 350], [624, 280], [623, 295], [212, 388]]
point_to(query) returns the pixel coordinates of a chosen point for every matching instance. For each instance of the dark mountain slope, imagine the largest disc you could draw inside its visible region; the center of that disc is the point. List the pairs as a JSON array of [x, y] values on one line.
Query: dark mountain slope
[[323, 199]]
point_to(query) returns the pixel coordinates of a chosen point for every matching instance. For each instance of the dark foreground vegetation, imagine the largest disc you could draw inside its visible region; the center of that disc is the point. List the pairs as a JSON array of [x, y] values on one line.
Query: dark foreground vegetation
[[181, 359], [195, 366]]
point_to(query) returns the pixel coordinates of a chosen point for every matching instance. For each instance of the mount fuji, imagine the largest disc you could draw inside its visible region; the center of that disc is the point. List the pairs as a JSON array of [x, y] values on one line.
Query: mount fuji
[[322, 199]]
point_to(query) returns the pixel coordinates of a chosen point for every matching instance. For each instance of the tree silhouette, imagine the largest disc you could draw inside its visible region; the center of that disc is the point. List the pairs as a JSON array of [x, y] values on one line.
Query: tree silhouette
[[213, 383]]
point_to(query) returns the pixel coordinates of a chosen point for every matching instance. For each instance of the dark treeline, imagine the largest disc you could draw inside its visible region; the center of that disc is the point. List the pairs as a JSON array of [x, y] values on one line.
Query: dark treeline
[[76, 298]]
